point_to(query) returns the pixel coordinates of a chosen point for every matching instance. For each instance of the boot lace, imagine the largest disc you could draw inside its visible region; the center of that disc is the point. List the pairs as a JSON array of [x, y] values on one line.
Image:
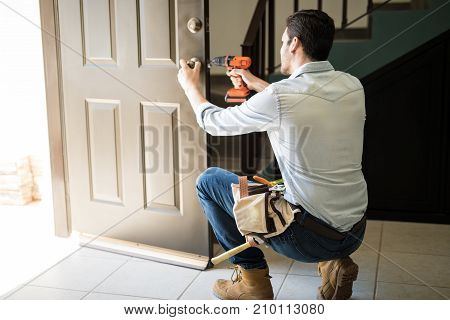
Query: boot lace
[[236, 276]]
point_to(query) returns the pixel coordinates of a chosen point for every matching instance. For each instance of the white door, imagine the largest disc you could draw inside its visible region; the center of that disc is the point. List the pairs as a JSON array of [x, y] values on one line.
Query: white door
[[133, 147]]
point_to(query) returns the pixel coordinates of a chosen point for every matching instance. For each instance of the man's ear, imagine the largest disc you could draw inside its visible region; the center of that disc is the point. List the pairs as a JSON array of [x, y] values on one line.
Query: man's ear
[[295, 45]]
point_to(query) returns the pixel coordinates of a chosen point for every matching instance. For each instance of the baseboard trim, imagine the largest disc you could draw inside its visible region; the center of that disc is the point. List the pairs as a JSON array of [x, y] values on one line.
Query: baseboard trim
[[144, 251]]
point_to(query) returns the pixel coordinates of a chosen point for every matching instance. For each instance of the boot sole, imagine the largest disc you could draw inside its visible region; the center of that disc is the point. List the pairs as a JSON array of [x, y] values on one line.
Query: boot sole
[[217, 296], [344, 288]]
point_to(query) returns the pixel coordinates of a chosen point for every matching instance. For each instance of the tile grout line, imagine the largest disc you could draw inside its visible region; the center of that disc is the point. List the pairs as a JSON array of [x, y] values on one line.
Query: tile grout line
[[418, 253], [13, 291], [290, 266], [39, 286], [414, 284], [309, 275], [284, 280], [50, 287], [375, 288], [128, 295], [190, 283], [281, 286], [126, 261]]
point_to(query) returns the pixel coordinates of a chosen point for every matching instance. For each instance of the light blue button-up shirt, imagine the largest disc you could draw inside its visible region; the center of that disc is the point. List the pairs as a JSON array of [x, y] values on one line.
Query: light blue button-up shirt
[[315, 123]]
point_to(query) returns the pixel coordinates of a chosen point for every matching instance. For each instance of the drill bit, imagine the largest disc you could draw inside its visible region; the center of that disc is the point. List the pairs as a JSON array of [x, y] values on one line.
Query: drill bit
[[221, 61]]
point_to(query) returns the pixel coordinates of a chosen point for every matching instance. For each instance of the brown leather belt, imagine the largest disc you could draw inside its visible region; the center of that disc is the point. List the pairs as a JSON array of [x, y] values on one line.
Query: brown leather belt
[[323, 230]]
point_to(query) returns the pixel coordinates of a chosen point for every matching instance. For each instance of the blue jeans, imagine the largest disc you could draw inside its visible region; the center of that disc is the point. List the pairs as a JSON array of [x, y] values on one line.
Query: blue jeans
[[296, 242]]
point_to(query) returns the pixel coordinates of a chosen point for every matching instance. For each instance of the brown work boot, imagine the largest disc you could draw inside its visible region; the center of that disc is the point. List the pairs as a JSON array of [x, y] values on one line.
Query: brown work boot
[[337, 279], [248, 284]]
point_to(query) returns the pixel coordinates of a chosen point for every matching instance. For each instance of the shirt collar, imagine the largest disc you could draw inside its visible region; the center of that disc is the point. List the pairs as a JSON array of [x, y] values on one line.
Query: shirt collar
[[316, 66]]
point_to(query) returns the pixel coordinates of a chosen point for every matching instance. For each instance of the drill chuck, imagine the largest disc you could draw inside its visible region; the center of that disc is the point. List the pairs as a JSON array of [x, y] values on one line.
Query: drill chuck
[[232, 62], [221, 61]]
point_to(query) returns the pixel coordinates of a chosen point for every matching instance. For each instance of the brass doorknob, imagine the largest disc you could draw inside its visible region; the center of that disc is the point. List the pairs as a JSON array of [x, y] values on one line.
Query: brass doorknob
[[194, 25], [192, 61]]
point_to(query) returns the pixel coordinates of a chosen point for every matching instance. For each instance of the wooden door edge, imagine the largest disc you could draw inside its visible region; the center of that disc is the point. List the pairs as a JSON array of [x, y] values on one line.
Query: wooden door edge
[[144, 251], [55, 116]]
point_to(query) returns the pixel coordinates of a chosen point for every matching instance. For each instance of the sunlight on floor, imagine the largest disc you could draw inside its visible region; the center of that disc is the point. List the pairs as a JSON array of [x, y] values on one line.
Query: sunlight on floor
[[28, 243]]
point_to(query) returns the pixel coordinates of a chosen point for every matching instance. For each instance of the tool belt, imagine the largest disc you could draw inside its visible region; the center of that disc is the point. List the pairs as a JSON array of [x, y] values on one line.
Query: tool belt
[[260, 211], [265, 213], [323, 229]]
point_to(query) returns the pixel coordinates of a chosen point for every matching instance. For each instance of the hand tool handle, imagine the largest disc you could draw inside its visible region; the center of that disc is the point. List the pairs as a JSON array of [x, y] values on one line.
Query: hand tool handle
[[224, 256], [262, 180], [243, 84]]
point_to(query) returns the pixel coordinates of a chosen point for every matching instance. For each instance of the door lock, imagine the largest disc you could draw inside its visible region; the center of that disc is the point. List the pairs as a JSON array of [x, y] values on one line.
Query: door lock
[[194, 25], [192, 61]]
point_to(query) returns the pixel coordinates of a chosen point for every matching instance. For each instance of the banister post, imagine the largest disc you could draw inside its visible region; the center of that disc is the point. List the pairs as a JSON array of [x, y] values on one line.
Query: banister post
[[271, 36], [344, 14]]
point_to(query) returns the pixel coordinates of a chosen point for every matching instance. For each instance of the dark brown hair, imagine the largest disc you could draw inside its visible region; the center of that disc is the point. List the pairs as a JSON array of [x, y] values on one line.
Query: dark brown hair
[[315, 30]]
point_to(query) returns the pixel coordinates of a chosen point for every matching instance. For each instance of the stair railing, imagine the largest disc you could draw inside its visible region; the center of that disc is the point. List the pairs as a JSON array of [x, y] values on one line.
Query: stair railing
[[370, 9]]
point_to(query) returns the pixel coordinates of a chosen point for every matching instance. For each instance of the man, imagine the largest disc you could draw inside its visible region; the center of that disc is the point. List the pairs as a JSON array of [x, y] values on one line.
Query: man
[[315, 121]]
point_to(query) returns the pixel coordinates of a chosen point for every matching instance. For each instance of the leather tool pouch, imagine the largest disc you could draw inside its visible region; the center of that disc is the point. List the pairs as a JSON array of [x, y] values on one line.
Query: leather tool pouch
[[259, 211]]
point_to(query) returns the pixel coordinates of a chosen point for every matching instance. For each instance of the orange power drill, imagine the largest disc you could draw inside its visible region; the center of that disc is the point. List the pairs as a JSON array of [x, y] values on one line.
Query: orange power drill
[[234, 62]]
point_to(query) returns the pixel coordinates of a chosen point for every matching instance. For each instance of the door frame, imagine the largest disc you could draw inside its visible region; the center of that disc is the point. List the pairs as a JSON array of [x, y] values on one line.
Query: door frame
[[55, 116]]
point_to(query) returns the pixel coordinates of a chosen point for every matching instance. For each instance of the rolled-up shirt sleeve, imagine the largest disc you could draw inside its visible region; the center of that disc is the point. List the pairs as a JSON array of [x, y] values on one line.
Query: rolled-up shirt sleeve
[[260, 113]]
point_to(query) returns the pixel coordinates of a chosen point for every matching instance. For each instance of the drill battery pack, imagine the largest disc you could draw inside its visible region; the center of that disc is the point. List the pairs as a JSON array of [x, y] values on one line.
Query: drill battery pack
[[237, 95]]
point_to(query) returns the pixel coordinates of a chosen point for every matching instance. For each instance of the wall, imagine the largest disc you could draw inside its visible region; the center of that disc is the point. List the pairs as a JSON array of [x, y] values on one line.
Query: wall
[[229, 21]]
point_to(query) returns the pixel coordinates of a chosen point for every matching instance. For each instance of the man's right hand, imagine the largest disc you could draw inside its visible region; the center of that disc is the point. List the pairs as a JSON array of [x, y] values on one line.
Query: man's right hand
[[252, 82], [251, 240]]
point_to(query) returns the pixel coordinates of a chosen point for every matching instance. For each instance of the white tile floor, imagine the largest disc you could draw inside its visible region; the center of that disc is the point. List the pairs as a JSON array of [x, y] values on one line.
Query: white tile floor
[[397, 261]]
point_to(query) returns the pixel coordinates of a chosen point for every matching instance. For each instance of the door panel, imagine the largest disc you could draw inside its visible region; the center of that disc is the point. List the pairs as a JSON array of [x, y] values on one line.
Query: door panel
[[156, 48], [134, 149], [98, 30], [161, 142], [104, 145]]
